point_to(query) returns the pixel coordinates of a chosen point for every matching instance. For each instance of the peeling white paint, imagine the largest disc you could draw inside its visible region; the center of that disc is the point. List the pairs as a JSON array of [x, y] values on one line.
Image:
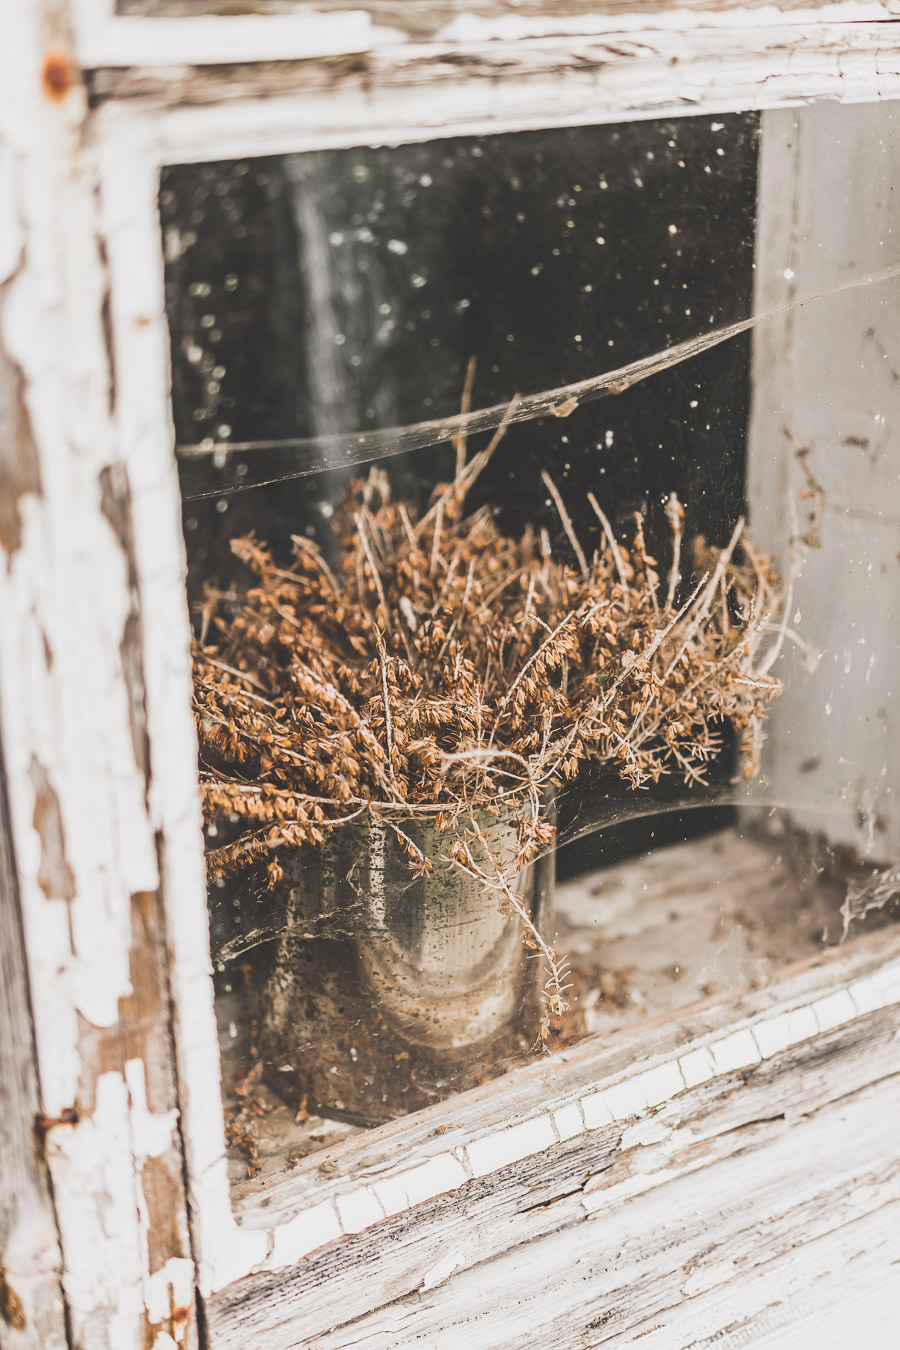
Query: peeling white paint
[[697, 1066], [831, 1011], [510, 1145], [415, 1185], [312, 1228], [867, 996], [444, 1268], [708, 1277], [736, 1051], [623, 1100], [358, 1210], [595, 1110], [772, 1034], [663, 1082], [569, 1121]]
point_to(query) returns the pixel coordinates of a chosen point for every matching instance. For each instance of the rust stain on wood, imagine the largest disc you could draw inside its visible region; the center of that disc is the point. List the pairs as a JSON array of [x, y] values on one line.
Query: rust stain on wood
[[58, 75], [55, 876]]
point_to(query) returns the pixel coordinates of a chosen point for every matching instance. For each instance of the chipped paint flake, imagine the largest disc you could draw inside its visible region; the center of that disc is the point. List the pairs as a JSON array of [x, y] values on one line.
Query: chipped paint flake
[[453, 1261]]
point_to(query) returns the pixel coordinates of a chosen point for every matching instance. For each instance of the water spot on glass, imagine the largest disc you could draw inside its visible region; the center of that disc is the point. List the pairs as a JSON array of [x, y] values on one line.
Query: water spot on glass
[[339, 339], [360, 173], [425, 180], [221, 506], [218, 371], [608, 438], [336, 238], [207, 320], [194, 354], [397, 246], [418, 280], [600, 239]]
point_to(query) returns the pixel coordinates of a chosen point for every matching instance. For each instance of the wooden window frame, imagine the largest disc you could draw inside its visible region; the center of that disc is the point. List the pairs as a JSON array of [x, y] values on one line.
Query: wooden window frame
[[112, 98]]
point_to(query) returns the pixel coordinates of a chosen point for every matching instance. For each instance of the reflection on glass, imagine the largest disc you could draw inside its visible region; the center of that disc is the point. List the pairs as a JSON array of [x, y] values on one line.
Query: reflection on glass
[[508, 742]]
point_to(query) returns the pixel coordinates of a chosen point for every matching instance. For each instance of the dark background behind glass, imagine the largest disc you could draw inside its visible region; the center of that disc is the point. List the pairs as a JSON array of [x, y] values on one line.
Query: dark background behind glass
[[345, 290]]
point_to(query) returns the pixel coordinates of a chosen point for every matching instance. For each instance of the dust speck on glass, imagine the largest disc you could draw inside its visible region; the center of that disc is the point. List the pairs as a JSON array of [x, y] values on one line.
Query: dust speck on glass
[[364, 974]]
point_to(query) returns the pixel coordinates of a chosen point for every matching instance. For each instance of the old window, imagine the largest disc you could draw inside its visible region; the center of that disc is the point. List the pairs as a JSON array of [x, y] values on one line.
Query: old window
[[301, 240]]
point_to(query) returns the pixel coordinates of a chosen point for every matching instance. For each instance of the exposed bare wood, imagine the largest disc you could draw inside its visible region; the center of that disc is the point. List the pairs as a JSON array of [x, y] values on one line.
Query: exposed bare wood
[[71, 651], [635, 1263], [430, 18], [287, 31], [589, 1175], [31, 1304]]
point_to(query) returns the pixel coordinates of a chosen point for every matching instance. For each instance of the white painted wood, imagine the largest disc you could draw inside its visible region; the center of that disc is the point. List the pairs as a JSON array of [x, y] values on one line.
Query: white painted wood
[[67, 593], [828, 383], [130, 144], [418, 92], [491, 1132], [72, 728], [302, 32], [32, 1316], [710, 1201]]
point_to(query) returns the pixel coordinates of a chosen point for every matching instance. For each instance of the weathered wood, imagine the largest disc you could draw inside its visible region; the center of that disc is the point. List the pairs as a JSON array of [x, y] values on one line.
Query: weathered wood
[[418, 92], [422, 93], [503, 1218], [31, 1305], [827, 190], [597, 1282], [428, 18], [72, 715], [717, 916], [311, 30], [548, 1084], [556, 1184]]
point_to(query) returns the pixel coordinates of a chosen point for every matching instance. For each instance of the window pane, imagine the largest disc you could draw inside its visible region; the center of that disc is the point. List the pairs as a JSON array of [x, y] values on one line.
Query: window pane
[[370, 795]]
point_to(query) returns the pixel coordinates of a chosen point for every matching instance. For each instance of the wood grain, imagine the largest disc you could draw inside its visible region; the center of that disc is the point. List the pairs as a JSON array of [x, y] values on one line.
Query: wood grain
[[31, 1304], [503, 1219]]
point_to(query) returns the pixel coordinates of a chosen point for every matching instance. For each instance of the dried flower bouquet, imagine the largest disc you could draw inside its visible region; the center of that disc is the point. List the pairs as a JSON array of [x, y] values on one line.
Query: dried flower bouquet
[[440, 671]]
